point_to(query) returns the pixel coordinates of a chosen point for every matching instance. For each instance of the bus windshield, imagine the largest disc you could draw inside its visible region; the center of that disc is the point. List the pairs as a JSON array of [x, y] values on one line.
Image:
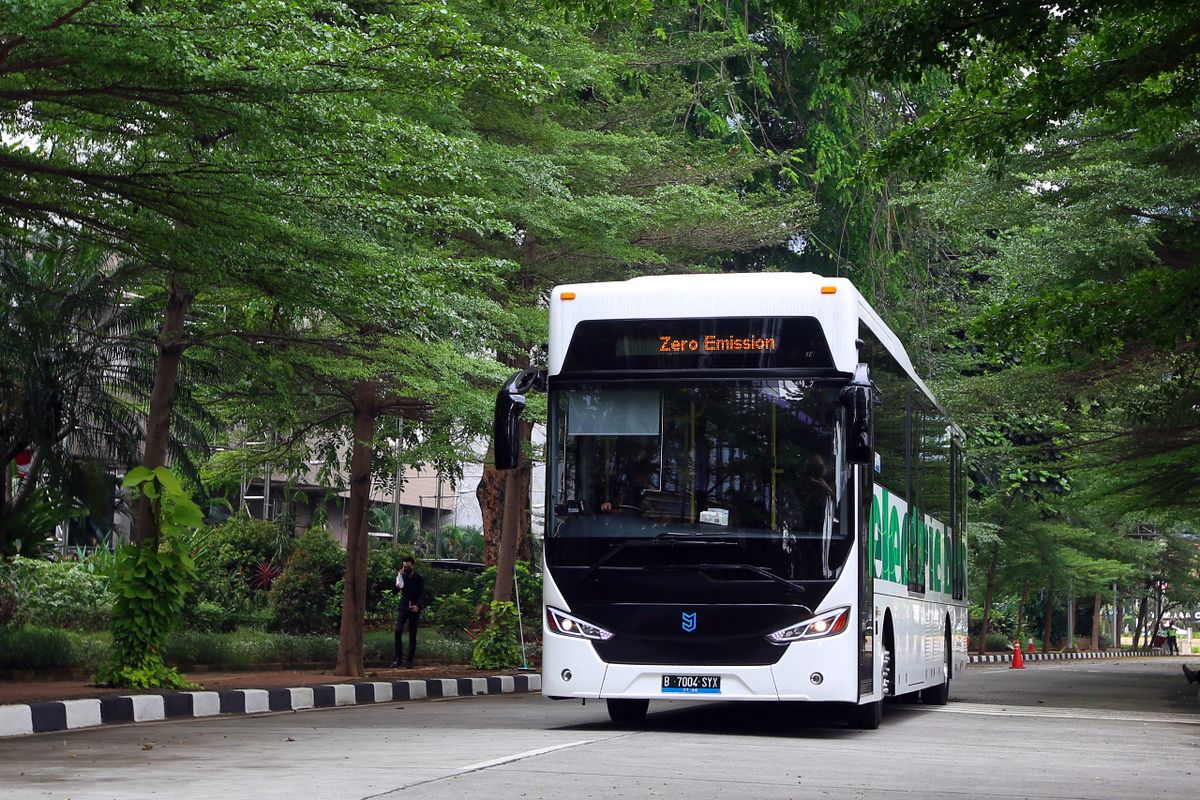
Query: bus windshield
[[752, 460]]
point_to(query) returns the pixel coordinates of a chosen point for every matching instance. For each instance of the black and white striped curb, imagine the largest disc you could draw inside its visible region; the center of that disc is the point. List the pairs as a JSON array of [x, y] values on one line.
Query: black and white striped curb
[[1003, 658], [65, 715]]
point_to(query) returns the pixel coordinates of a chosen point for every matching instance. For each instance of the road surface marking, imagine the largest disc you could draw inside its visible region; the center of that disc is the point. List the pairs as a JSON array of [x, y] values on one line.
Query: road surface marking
[[541, 751]]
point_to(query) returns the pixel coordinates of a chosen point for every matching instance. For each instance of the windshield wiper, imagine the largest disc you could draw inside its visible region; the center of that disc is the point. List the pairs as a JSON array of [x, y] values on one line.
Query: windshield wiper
[[667, 539], [766, 573]]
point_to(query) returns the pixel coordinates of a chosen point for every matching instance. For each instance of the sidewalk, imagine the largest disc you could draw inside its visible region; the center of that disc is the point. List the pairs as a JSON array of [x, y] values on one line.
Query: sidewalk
[[44, 706], [1001, 658]]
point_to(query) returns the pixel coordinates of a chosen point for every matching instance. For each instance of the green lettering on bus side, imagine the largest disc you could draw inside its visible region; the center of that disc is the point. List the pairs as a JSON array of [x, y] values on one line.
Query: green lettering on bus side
[[875, 539], [936, 558], [895, 572]]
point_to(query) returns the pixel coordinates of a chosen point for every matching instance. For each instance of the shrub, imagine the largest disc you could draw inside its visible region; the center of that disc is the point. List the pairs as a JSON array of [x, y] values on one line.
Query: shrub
[[151, 586], [61, 594], [11, 607], [242, 543], [245, 648], [299, 599], [455, 613], [385, 612], [432, 646], [37, 648], [442, 583], [497, 647], [205, 615], [529, 586], [318, 551], [996, 643]]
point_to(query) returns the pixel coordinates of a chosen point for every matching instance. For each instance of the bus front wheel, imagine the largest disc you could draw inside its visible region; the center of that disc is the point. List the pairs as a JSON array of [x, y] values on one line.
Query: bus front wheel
[[865, 717], [627, 712]]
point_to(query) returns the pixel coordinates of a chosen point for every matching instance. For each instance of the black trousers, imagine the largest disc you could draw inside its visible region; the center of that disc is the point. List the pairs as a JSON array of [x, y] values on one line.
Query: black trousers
[[412, 619]]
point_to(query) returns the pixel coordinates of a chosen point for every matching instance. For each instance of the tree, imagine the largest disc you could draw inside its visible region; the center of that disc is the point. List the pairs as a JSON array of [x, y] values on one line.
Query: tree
[[238, 153], [225, 147], [73, 374], [624, 170], [411, 344]]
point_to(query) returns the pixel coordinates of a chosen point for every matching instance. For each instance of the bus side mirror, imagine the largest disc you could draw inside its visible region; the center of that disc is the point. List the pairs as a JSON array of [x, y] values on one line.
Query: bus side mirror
[[510, 402], [859, 400]]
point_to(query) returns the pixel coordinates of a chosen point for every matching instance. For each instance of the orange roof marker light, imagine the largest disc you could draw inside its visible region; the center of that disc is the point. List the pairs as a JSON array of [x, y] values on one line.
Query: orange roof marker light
[[567, 296], [828, 290]]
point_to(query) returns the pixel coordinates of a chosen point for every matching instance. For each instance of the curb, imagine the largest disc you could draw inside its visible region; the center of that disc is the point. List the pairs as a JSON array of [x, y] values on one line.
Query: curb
[[1004, 658], [68, 715]]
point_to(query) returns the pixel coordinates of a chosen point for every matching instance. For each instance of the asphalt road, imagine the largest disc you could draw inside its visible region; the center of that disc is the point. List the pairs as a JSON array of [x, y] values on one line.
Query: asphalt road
[[1077, 729]]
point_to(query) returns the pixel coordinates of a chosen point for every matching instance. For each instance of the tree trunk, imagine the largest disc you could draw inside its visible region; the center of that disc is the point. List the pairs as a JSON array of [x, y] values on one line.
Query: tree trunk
[[525, 519], [1021, 609], [354, 592], [988, 594], [1048, 620], [506, 556], [1141, 621], [490, 494], [5, 487], [1096, 622], [162, 399], [1119, 611]]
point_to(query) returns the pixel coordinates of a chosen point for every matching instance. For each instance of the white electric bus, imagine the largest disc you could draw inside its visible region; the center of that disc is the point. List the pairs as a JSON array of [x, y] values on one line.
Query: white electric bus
[[751, 495]]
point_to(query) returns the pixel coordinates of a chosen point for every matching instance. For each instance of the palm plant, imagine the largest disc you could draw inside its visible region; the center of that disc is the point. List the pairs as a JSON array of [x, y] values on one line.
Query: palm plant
[[75, 355]]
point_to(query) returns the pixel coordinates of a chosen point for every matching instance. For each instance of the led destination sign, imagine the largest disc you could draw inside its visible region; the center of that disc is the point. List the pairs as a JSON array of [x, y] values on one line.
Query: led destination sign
[[714, 344], [706, 343]]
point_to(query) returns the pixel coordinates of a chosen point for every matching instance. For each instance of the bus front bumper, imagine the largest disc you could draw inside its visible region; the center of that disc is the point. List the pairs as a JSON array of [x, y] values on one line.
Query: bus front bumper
[[808, 671]]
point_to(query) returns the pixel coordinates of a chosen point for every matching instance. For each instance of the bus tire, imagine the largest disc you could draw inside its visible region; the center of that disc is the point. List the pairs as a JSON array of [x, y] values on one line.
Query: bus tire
[[627, 712], [865, 717]]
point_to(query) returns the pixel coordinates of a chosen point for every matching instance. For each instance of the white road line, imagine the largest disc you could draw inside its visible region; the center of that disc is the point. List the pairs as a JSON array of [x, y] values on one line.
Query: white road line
[[541, 751], [1060, 713]]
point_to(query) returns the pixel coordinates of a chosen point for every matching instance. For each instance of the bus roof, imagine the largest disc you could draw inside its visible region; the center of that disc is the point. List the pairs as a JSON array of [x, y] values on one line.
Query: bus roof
[[835, 302]]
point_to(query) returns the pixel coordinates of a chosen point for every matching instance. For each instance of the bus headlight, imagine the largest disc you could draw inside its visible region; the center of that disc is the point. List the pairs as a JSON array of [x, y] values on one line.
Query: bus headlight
[[561, 622], [828, 623]]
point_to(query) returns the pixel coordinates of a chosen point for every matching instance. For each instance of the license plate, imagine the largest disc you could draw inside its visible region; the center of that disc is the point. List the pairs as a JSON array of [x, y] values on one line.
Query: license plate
[[691, 684]]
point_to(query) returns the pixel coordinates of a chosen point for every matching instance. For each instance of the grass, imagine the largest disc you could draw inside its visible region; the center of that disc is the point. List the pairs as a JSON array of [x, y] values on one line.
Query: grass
[[36, 648], [31, 647]]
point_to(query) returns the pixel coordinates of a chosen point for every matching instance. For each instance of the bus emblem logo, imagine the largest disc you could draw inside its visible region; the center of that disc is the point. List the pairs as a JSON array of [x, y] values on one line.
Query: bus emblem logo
[[689, 622]]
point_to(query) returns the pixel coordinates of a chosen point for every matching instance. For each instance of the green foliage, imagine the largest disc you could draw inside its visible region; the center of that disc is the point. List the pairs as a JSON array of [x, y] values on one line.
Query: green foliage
[[497, 647], [299, 599], [70, 373], [432, 646], [464, 544], [455, 613], [150, 587], [28, 528], [240, 545], [318, 552], [10, 598], [36, 648], [529, 586], [243, 649], [442, 583], [60, 594]]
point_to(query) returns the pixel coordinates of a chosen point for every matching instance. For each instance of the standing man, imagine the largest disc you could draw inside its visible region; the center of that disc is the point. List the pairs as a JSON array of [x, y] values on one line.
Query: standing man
[[412, 600], [1170, 633]]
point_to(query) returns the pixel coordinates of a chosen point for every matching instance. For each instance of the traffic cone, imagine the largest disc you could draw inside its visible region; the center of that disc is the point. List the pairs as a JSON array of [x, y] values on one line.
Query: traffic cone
[[1017, 661]]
